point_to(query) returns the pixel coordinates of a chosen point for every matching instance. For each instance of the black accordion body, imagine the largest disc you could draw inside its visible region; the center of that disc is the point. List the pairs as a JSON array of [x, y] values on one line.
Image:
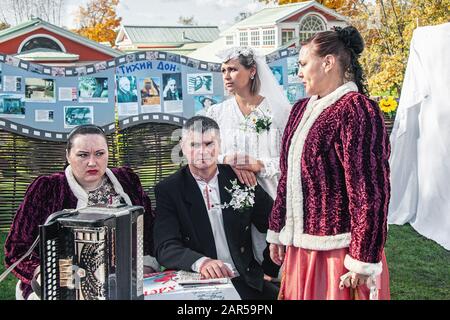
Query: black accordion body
[[95, 253]]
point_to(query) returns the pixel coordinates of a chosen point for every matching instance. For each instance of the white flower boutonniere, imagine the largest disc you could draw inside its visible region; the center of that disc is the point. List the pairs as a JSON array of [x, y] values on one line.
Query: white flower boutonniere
[[262, 124], [241, 198]]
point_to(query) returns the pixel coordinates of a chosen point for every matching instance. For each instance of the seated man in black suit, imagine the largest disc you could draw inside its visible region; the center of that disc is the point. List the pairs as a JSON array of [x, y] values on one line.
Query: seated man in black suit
[[193, 231]]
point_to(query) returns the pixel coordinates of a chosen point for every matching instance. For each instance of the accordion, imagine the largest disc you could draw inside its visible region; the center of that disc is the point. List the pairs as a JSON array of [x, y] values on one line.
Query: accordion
[[95, 253]]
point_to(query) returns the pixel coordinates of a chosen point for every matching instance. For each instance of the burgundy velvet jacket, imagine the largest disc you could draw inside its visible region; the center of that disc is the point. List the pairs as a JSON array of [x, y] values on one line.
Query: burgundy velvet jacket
[[49, 194], [344, 178]]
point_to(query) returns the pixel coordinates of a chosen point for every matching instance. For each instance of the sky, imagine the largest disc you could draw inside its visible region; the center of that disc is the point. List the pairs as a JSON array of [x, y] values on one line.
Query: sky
[[219, 13]]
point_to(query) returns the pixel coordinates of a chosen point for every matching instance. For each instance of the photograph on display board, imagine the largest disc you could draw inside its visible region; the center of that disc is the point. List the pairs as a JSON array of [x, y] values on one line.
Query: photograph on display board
[[292, 70], [278, 73], [273, 56], [214, 67], [77, 115], [44, 115], [12, 83], [68, 94], [13, 61], [150, 94], [81, 71], [130, 58], [58, 71], [39, 90], [172, 86], [151, 55], [199, 83], [293, 51], [100, 66], [36, 68], [91, 89], [173, 57], [12, 105], [202, 102], [193, 63], [126, 89], [295, 92]]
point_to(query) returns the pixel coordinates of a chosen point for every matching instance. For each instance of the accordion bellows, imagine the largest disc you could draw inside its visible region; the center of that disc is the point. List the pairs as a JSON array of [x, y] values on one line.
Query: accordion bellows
[[95, 253]]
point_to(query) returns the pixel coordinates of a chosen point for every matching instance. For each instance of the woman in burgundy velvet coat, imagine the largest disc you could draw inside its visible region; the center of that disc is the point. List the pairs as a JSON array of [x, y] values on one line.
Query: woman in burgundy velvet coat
[[328, 223], [85, 181]]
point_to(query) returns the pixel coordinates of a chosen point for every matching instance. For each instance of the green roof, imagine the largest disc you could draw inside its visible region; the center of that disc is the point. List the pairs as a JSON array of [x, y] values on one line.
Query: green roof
[[171, 34], [24, 25]]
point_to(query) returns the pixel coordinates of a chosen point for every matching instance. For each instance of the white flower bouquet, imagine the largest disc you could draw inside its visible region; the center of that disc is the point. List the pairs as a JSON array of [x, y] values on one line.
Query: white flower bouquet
[[241, 198]]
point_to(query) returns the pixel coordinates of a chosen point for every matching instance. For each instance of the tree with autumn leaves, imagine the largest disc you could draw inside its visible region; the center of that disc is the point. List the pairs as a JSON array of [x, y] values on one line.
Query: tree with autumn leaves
[[387, 27], [98, 20]]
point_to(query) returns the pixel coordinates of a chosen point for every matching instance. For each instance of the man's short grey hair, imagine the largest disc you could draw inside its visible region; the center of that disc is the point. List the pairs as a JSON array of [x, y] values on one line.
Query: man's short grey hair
[[200, 124]]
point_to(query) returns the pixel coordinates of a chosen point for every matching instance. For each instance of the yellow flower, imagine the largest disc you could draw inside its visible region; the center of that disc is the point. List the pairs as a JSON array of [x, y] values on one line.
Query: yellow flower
[[388, 105]]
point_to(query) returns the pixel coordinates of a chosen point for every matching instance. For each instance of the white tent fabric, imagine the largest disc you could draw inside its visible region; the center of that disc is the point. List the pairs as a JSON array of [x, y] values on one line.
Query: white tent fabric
[[420, 139]]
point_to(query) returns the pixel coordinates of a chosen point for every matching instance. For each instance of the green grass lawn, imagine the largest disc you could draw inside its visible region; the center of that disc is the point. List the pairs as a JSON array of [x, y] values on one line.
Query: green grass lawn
[[8, 286], [419, 268]]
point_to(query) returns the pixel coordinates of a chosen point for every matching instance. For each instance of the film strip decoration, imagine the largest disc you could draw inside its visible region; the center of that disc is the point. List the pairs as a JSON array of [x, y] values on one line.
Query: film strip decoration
[[138, 65], [131, 57], [28, 131]]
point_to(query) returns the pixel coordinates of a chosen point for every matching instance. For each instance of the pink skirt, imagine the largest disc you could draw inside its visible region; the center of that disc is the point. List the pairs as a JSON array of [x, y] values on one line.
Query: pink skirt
[[315, 275]]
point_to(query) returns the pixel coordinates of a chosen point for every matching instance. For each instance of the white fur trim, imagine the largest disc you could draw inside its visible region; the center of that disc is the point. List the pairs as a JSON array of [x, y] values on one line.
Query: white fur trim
[[323, 243], [308, 241], [369, 269], [77, 190], [82, 195], [273, 237], [19, 295], [294, 193]]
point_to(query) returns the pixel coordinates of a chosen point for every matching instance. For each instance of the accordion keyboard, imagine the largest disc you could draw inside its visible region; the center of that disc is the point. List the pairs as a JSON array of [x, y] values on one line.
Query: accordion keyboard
[[51, 267]]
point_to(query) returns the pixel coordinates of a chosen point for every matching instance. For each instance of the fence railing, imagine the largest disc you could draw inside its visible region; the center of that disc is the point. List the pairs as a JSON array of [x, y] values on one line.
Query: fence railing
[[146, 148]]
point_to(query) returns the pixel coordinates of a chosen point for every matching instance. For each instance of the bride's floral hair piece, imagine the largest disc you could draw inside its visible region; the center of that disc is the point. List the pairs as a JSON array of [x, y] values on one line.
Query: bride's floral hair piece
[[234, 53]]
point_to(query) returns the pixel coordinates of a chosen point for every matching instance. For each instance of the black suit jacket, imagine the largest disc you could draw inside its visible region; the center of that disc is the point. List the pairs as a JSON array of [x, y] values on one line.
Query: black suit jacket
[[183, 234]]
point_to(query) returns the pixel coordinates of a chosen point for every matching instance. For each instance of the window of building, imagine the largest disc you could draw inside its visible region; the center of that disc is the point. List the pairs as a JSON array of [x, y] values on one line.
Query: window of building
[[286, 36], [269, 37], [229, 41], [243, 38], [41, 42], [254, 38], [311, 25]]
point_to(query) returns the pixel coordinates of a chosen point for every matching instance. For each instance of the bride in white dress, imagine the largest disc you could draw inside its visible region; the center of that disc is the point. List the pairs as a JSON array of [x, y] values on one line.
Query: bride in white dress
[[251, 123]]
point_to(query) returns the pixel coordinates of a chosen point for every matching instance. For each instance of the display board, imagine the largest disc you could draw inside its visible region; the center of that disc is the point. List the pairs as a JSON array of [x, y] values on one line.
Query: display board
[[47, 102]]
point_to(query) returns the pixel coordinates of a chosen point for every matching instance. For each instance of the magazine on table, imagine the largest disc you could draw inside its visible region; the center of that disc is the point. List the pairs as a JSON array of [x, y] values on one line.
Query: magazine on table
[[179, 284]]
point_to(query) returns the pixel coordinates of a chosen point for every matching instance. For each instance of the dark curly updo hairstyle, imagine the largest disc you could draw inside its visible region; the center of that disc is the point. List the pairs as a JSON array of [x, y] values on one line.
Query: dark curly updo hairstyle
[[83, 130], [346, 44]]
